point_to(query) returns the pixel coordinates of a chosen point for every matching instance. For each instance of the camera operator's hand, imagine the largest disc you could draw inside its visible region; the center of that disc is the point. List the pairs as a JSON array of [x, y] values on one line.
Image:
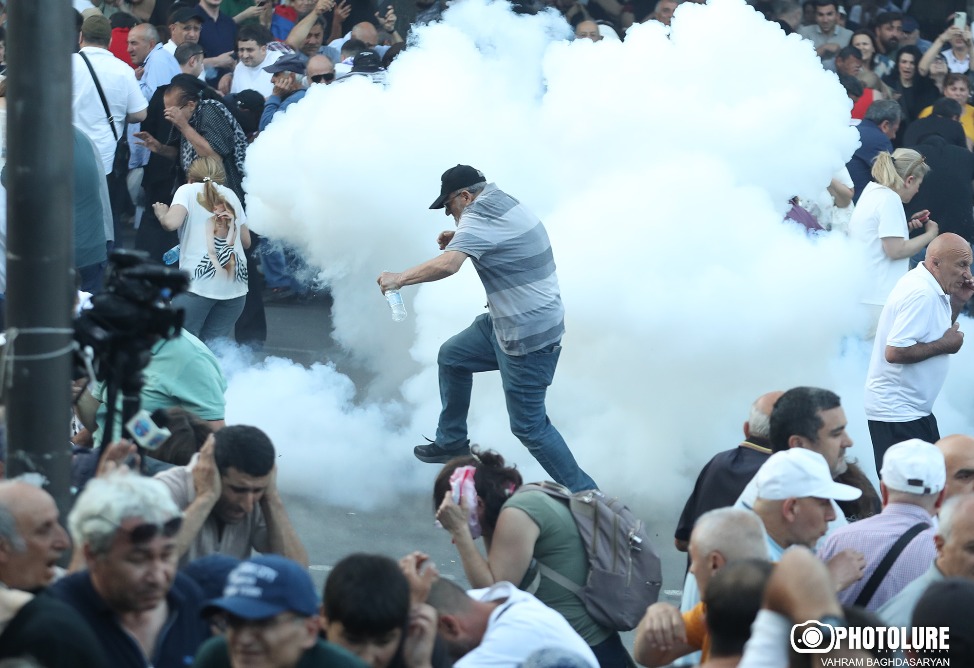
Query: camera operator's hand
[[206, 476], [121, 454]]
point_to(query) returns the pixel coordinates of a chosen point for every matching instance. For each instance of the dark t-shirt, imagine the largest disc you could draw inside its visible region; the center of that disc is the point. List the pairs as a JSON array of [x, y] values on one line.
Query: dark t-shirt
[[947, 128], [53, 634], [721, 482], [216, 37], [946, 190], [177, 643]]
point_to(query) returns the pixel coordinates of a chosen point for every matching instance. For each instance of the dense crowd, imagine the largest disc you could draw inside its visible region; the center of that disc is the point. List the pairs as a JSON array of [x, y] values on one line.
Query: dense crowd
[[793, 554]]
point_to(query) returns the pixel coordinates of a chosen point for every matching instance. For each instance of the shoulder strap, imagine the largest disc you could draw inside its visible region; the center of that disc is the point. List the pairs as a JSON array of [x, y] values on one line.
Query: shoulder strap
[[558, 578], [557, 491], [894, 552], [101, 94]]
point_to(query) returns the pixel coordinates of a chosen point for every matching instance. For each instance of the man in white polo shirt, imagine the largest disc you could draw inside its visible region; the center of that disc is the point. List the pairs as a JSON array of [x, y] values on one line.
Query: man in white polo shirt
[[917, 331]]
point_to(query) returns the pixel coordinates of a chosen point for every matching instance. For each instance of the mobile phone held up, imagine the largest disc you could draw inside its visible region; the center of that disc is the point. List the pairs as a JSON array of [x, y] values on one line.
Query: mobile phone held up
[[960, 20]]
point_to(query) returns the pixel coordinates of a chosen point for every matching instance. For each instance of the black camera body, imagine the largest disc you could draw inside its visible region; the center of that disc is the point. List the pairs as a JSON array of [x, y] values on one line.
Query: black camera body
[[116, 335]]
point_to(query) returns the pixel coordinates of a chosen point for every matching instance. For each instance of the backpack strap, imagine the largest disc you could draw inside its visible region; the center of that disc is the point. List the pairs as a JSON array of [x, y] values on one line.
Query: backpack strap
[[101, 94], [559, 579], [876, 578], [559, 492]]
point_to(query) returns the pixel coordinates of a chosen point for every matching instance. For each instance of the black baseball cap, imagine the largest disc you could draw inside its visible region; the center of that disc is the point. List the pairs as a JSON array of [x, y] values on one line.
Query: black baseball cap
[[367, 61], [184, 15], [456, 178]]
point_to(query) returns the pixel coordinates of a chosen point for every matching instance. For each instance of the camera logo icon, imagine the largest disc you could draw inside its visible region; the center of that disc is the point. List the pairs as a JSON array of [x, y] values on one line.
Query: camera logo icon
[[812, 637]]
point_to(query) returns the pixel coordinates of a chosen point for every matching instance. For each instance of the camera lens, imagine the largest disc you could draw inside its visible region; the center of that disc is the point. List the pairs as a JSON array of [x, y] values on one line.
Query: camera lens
[[812, 637]]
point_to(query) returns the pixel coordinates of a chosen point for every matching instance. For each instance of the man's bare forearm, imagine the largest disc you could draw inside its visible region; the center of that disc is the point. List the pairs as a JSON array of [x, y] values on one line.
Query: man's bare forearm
[[918, 352]]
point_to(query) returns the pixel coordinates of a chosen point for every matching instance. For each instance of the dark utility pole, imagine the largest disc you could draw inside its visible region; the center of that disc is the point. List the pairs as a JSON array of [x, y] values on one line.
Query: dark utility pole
[[40, 281]]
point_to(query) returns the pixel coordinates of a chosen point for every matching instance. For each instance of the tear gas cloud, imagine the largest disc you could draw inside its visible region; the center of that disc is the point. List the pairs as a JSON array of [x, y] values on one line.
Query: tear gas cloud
[[661, 167]]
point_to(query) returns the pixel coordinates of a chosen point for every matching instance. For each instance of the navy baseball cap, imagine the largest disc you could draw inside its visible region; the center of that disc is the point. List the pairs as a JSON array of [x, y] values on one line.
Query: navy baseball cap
[[264, 587], [456, 178]]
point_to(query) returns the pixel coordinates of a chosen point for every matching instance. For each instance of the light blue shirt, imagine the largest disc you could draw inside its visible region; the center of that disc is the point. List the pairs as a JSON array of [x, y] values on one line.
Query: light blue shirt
[[158, 70]]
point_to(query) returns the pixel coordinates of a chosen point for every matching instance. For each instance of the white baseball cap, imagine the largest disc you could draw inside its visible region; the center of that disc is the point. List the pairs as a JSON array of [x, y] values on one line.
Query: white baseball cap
[[798, 473], [914, 466]]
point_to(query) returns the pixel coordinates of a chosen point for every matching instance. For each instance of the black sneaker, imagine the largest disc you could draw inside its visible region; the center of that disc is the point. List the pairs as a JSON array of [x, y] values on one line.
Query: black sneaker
[[431, 453]]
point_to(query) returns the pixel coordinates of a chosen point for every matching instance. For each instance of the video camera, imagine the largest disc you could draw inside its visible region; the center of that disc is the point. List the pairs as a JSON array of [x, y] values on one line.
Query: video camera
[[116, 335]]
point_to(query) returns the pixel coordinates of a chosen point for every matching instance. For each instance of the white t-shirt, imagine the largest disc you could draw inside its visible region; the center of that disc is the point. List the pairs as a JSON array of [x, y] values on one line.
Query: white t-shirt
[[121, 90], [918, 311], [213, 258], [879, 214], [955, 66], [518, 627], [255, 78]]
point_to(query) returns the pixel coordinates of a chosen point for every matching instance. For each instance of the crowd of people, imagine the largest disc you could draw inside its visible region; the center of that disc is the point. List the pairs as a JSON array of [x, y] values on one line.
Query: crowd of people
[[780, 532]]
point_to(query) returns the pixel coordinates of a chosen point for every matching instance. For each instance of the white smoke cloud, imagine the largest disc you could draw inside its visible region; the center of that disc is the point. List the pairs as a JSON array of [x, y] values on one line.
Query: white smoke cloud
[[661, 166]]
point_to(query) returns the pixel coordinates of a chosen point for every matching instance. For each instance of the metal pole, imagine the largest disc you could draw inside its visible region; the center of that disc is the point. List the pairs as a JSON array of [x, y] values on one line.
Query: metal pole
[[40, 278]]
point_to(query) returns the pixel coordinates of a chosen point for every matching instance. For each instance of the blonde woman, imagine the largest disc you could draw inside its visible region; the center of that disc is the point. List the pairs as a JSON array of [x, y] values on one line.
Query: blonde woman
[[879, 224], [212, 237]]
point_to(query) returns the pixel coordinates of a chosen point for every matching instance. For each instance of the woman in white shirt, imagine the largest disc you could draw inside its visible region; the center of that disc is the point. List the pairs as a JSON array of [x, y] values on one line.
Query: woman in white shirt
[[879, 224], [212, 237]]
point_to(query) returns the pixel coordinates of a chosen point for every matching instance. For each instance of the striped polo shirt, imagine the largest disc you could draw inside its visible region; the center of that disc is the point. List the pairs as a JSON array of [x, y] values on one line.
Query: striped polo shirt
[[512, 254]]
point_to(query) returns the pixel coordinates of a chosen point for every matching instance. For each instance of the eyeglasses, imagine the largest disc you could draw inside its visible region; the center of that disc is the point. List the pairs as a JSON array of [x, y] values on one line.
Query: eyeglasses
[[327, 76], [143, 533], [449, 200]]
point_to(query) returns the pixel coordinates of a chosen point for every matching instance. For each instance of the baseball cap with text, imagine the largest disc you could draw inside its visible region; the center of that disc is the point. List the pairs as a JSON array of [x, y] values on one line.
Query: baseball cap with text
[[798, 473], [264, 587]]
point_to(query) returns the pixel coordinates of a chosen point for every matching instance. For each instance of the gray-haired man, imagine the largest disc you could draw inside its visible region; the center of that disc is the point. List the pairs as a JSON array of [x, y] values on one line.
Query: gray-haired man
[[520, 336]]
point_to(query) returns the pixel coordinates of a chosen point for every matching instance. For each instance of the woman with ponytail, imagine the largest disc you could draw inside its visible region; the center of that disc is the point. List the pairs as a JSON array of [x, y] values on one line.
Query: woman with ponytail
[[879, 224], [212, 237], [519, 529]]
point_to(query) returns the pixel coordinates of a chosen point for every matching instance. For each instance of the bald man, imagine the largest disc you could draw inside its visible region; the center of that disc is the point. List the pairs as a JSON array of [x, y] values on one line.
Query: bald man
[[31, 538], [367, 33], [720, 536], [958, 451], [320, 70], [726, 475], [916, 334]]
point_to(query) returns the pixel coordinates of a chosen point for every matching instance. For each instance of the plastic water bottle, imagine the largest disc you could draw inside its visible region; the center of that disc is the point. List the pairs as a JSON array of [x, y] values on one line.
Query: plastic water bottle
[[172, 255], [396, 305]]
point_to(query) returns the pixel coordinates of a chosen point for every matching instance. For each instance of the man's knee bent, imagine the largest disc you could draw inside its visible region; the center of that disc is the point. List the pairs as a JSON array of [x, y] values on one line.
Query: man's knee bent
[[530, 433]]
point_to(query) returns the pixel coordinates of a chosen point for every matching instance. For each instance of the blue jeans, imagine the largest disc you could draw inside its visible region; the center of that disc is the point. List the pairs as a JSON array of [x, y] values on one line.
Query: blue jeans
[[92, 277], [274, 266], [209, 319], [525, 379]]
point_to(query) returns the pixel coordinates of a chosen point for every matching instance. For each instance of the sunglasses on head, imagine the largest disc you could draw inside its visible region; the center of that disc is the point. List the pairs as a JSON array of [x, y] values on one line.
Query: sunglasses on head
[[327, 76], [143, 533]]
